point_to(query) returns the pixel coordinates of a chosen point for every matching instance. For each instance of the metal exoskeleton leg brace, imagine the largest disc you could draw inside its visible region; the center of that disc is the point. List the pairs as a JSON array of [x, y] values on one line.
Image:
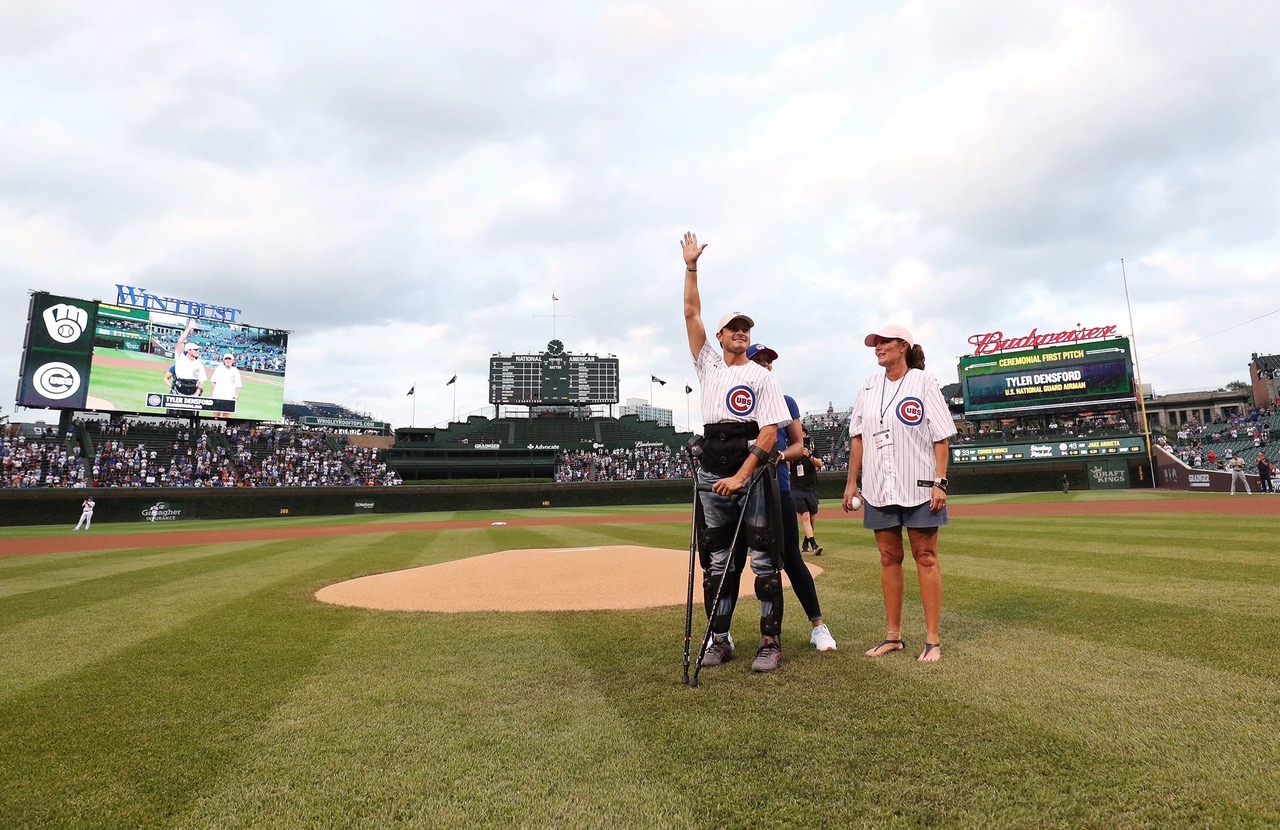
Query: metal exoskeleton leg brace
[[715, 600]]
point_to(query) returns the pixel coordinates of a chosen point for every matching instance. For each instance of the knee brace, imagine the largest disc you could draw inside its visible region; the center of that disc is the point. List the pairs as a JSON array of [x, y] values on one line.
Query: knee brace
[[721, 615], [759, 538], [769, 592], [712, 539]]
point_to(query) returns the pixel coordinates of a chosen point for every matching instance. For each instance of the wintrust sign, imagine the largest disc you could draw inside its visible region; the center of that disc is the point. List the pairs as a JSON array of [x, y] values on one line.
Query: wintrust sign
[[141, 298], [995, 341]]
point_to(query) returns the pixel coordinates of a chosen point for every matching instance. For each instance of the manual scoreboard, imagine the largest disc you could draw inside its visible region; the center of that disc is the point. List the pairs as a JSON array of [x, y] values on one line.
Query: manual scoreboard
[[553, 378]]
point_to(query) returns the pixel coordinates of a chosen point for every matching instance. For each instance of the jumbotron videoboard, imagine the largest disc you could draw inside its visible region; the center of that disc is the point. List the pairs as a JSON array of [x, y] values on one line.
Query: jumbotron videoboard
[[1097, 373], [554, 377], [120, 357]]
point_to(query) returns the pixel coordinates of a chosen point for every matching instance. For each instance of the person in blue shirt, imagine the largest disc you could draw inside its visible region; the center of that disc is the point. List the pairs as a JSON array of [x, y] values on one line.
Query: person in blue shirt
[[790, 446]]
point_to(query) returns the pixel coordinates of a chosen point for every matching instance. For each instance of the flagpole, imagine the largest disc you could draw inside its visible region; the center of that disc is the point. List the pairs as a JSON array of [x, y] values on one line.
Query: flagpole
[[1137, 370], [455, 397]]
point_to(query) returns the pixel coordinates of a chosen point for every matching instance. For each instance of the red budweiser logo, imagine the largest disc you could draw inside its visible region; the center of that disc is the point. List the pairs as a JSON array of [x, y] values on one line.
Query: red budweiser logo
[[994, 341]]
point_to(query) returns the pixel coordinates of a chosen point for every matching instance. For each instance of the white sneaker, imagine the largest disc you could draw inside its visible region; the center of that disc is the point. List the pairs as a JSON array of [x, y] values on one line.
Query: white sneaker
[[822, 639]]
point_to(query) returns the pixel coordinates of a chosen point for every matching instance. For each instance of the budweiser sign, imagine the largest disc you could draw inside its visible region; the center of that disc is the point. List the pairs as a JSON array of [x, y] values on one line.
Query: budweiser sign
[[995, 341]]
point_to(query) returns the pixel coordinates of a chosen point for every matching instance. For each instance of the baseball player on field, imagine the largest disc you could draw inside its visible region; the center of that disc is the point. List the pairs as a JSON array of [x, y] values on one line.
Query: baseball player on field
[[742, 410], [86, 514], [899, 427]]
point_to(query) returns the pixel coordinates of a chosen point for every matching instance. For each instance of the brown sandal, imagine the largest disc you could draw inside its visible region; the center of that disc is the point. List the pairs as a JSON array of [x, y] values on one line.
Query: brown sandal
[[898, 643], [928, 647]]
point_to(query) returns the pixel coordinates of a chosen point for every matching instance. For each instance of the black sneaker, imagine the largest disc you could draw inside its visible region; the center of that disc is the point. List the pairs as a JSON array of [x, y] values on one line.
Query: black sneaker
[[719, 651], [769, 656], [817, 549]]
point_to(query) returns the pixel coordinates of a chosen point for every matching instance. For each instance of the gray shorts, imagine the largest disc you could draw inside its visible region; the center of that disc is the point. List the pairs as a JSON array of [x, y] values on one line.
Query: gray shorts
[[895, 515]]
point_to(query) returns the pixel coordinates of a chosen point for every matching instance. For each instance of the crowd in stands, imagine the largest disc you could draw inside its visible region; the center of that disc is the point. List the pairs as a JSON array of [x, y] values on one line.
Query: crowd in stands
[[175, 456], [1082, 427], [1213, 446], [36, 462], [832, 419], [638, 464], [286, 456]]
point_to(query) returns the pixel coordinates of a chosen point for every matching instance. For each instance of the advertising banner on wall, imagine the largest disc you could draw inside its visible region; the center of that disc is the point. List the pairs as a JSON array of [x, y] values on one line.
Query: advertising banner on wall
[[1074, 448], [165, 511]]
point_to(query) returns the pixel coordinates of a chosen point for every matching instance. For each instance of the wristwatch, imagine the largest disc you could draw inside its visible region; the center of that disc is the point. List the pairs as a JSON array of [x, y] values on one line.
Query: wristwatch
[[941, 484]]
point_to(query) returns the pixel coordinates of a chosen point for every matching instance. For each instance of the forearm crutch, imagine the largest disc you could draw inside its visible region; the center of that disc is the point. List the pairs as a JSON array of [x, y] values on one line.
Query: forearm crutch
[[693, 449], [688, 606]]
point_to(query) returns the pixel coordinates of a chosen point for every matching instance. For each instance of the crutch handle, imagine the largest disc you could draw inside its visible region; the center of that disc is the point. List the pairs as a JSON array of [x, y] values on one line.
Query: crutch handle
[[706, 488]]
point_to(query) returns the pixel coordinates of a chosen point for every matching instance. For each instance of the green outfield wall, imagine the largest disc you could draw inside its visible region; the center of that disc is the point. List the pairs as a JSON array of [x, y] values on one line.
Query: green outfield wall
[[119, 504]]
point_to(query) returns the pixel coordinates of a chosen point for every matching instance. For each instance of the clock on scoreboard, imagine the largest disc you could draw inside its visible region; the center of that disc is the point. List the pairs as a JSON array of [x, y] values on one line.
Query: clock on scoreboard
[[554, 377]]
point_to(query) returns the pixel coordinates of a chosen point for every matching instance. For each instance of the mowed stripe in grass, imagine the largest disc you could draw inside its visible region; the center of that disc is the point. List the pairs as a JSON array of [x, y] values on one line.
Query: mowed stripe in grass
[[1075, 701], [139, 708]]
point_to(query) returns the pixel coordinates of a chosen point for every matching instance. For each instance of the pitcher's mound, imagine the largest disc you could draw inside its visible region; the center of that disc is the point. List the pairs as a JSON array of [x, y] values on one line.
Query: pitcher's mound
[[556, 579]]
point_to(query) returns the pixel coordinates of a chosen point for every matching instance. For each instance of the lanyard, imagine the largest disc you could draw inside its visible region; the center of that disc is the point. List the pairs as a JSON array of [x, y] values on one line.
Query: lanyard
[[896, 392]]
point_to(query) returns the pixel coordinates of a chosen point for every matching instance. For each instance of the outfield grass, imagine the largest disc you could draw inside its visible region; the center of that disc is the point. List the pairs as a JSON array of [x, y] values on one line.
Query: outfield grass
[[1107, 671]]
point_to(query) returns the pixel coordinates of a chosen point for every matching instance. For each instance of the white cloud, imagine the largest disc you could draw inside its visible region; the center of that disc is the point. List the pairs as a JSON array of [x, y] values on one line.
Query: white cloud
[[404, 185]]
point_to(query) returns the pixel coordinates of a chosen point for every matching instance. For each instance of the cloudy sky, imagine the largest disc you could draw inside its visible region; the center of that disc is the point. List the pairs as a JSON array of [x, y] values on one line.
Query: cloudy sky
[[405, 185]]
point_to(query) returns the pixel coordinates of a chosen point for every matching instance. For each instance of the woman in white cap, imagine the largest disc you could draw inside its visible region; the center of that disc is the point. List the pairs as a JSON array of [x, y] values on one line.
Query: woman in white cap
[[899, 427]]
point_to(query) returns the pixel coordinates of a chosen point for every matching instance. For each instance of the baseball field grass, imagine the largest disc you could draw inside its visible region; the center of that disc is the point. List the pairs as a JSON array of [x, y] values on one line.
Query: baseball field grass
[[1099, 671]]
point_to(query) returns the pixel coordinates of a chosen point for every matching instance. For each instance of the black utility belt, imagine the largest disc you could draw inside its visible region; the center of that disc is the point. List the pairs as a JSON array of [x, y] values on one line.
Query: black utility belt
[[725, 446]]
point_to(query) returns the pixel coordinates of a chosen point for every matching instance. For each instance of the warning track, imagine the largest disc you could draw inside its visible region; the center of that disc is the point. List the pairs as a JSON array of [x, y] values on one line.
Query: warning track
[[1244, 505]]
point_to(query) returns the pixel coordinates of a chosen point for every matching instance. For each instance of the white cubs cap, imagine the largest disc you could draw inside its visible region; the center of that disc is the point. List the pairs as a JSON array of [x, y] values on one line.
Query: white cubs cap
[[890, 333], [730, 316]]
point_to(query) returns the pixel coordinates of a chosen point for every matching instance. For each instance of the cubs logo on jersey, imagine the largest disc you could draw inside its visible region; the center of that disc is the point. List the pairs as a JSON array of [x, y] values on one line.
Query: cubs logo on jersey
[[741, 400], [911, 411]]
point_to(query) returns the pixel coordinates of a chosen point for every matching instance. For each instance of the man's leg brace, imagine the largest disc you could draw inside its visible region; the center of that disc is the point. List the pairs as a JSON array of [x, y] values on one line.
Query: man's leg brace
[[713, 553], [767, 547]]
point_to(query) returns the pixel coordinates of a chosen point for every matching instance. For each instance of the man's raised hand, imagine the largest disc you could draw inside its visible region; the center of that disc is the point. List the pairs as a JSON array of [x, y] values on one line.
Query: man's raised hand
[[692, 250]]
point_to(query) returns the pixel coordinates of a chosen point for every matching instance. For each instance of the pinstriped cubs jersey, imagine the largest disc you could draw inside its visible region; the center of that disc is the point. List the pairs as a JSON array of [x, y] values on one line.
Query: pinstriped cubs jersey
[[738, 393], [898, 422]]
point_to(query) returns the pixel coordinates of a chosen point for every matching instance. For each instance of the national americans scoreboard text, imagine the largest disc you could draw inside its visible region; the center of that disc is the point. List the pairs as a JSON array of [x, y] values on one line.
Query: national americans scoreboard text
[[553, 379]]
